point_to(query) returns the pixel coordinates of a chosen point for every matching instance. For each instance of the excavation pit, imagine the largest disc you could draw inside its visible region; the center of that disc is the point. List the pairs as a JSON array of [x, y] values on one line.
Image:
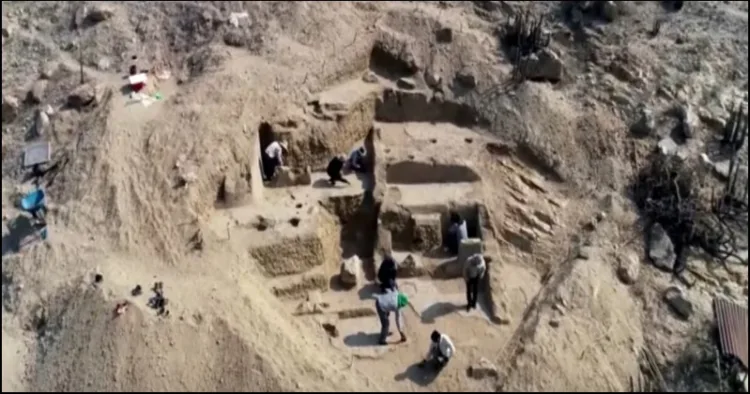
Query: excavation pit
[[411, 172]]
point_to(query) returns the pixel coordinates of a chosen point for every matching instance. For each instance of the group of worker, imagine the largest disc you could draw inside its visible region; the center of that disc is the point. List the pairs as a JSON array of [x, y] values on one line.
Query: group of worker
[[272, 157], [391, 300]]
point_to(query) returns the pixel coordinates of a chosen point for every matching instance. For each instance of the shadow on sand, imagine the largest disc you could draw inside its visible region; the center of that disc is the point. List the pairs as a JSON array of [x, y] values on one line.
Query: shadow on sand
[[437, 310], [420, 376], [361, 339], [20, 230]]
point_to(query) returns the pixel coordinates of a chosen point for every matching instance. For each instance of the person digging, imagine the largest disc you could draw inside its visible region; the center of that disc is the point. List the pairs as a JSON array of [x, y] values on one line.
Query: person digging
[[387, 274], [335, 166], [440, 352], [391, 301], [272, 158]]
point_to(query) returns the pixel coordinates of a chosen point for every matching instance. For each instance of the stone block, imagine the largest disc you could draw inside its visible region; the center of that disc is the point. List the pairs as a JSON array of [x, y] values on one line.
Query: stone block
[[427, 232], [467, 248]]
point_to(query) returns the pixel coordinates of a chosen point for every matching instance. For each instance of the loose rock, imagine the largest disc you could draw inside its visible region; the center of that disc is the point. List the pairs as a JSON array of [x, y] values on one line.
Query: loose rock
[[36, 94], [483, 368], [667, 146], [628, 268], [544, 65], [406, 83], [351, 271], [688, 120], [678, 302], [48, 70], [411, 267], [41, 123], [432, 80], [660, 248], [11, 107]]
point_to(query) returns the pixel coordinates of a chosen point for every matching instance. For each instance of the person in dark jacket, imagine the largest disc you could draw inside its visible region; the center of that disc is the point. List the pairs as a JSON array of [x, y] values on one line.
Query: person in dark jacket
[[357, 160], [387, 274], [335, 166]]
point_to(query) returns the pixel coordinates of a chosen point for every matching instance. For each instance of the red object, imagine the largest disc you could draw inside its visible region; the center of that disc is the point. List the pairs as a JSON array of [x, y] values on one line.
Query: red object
[[138, 87]]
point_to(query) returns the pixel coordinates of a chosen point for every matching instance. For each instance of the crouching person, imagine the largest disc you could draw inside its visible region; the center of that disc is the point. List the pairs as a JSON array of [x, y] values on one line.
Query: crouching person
[[440, 352]]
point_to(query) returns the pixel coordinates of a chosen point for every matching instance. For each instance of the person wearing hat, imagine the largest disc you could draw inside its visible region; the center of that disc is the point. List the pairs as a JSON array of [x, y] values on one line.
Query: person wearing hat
[[440, 352], [273, 157], [335, 166], [357, 160], [392, 301]]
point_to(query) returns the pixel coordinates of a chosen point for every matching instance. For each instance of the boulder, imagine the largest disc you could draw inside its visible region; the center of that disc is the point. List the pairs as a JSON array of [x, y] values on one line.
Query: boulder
[[444, 35], [688, 120], [99, 13], [667, 146], [394, 52], [677, 301], [544, 65], [41, 123], [628, 268], [609, 10], [85, 95], [483, 368], [645, 125], [466, 79], [411, 267], [351, 271], [11, 107], [406, 83], [37, 92], [660, 248], [234, 38]]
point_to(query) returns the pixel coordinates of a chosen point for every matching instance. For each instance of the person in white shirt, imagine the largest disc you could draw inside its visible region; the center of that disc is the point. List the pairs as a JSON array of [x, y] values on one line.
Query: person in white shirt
[[440, 352], [273, 157]]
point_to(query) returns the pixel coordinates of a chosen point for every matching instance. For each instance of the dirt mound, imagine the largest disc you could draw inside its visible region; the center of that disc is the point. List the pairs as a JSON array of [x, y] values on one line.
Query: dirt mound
[[82, 345], [592, 325]]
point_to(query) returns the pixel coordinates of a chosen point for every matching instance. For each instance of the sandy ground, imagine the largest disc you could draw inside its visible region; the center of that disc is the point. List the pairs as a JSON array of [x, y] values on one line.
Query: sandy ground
[[547, 157]]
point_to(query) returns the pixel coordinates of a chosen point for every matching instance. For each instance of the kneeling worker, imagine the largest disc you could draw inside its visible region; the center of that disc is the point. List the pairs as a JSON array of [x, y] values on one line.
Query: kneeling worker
[[391, 301], [440, 352], [272, 157], [357, 160], [334, 170]]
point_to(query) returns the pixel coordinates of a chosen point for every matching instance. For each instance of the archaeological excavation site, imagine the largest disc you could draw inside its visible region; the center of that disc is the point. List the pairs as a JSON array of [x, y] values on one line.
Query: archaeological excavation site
[[170, 221]]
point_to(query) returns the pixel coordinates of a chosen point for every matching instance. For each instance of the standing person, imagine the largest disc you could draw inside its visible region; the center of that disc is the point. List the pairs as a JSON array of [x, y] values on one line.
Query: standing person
[[392, 301], [273, 157], [334, 170], [474, 270], [387, 274], [440, 352], [456, 233], [357, 159]]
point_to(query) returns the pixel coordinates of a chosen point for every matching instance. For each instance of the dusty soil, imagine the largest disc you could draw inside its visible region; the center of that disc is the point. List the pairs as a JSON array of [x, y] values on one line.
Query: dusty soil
[[167, 189]]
